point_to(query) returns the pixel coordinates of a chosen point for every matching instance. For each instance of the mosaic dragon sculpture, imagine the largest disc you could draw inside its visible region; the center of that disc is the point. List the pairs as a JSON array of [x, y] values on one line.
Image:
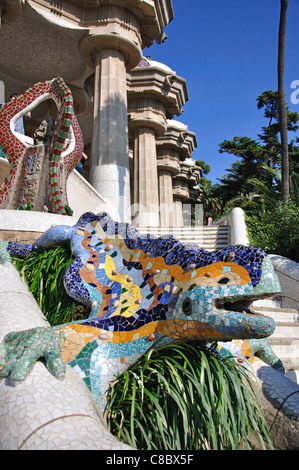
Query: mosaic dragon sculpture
[[26, 165], [139, 289]]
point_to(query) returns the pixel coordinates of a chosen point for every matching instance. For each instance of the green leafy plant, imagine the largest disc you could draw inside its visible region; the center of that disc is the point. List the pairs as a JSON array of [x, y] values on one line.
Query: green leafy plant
[[68, 210], [277, 230], [185, 396], [44, 273], [25, 207]]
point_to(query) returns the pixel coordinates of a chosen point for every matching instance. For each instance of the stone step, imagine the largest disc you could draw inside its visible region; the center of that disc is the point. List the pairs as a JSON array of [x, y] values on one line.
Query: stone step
[[186, 232], [286, 329], [285, 346], [209, 238], [279, 312], [220, 239], [193, 228]]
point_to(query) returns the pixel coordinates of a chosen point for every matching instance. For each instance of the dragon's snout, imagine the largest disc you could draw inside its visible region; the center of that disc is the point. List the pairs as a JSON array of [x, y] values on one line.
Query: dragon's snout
[[245, 325]]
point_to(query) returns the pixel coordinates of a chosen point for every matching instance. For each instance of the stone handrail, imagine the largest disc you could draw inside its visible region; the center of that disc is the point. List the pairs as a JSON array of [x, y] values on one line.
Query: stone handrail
[[236, 220]]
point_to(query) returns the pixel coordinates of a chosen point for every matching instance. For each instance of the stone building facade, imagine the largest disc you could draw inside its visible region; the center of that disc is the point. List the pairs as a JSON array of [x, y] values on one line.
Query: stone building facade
[[139, 155]]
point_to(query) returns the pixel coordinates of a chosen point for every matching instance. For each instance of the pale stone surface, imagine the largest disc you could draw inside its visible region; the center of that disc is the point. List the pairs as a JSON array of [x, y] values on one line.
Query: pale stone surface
[[82, 197], [32, 221], [113, 183]]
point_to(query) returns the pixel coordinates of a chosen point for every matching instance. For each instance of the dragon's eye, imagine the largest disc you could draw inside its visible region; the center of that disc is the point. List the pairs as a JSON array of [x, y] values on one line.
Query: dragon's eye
[[187, 306], [223, 280]]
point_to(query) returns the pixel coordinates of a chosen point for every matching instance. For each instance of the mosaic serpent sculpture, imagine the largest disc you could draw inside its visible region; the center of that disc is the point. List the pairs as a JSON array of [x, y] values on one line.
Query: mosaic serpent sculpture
[[16, 150], [141, 288]]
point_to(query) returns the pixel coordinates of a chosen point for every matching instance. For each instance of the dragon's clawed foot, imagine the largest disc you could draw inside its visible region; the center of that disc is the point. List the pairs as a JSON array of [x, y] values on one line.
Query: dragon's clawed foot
[[20, 351]]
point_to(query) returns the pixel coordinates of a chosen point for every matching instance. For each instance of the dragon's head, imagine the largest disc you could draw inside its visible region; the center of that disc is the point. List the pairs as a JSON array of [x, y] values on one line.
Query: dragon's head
[[217, 304]]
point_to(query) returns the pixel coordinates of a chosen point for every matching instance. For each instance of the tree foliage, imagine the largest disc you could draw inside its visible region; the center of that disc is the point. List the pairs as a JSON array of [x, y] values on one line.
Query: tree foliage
[[276, 231]]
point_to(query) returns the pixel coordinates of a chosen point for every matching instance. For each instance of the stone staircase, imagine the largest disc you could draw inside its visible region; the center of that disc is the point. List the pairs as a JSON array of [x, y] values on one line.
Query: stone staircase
[[210, 238], [285, 339]]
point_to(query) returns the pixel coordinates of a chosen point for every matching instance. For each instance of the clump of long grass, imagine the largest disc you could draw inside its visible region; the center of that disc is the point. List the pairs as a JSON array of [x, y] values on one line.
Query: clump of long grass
[[43, 272], [186, 397]]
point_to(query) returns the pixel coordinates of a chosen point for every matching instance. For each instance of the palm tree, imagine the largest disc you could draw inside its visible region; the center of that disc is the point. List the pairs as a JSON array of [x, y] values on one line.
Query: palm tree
[[249, 202], [272, 195], [282, 108]]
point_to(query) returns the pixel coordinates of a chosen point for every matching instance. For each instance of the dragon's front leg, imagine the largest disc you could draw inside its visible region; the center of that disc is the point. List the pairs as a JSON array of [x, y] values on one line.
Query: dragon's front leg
[[21, 350]]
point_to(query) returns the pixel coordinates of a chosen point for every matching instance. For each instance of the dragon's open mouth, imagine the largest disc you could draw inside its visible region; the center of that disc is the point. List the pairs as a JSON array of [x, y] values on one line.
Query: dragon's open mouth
[[254, 323], [241, 306]]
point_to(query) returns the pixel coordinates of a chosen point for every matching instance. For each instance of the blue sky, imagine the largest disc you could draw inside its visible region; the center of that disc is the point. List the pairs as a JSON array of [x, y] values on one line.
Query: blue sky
[[226, 50]]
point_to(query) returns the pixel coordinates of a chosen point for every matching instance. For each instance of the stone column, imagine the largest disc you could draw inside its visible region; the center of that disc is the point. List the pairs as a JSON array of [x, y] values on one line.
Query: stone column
[[112, 48], [146, 191], [109, 173], [175, 145], [168, 166], [178, 220], [180, 196], [195, 195], [166, 199], [147, 122], [154, 94]]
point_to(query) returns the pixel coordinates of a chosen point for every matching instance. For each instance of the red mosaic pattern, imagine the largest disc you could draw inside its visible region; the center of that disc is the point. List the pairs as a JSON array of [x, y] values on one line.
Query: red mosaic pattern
[[15, 149]]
